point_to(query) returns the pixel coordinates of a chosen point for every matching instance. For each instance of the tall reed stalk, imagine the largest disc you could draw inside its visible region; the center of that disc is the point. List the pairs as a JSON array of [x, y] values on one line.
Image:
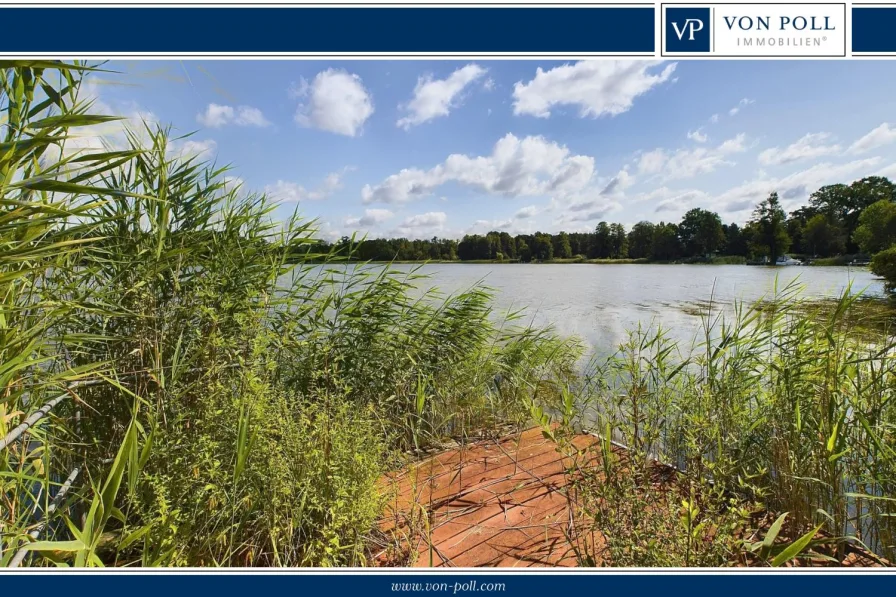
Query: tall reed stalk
[[240, 395], [780, 408]]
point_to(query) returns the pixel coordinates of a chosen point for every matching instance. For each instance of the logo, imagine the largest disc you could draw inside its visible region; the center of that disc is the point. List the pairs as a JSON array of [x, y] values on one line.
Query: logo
[[756, 29], [691, 26], [687, 29]]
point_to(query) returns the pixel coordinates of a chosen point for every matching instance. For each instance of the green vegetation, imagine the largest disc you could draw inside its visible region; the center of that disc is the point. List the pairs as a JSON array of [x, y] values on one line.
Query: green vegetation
[[876, 234], [226, 395], [769, 236], [831, 225], [781, 409]]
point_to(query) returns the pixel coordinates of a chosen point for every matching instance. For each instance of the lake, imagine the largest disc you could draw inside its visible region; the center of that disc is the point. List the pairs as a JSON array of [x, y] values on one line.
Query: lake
[[599, 303]]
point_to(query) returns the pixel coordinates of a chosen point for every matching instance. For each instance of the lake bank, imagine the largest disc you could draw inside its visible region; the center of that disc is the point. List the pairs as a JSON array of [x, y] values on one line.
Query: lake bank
[[828, 262]]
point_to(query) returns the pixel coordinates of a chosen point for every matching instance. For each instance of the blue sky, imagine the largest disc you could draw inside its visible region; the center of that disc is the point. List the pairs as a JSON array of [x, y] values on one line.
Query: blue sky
[[444, 148]]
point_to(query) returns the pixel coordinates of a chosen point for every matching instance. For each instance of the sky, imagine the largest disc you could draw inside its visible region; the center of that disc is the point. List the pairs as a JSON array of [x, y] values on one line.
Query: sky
[[445, 148]]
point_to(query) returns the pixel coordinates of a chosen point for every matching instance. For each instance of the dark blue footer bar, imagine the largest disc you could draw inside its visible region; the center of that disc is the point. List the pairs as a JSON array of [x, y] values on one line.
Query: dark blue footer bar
[[460, 584], [342, 30]]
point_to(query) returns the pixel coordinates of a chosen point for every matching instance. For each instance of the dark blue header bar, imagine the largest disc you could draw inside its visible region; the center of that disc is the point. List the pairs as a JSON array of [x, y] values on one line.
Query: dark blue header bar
[[873, 29], [538, 30]]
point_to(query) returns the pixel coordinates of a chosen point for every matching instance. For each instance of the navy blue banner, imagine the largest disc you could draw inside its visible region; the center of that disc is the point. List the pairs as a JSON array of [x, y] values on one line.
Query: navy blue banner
[[872, 29], [291, 30], [462, 584]]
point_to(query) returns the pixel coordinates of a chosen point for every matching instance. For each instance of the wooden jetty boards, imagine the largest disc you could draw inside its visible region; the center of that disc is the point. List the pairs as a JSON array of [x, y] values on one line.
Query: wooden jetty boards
[[493, 503]]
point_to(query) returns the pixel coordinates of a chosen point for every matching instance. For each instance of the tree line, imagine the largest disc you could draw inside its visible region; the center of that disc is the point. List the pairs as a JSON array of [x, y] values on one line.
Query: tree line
[[839, 219]]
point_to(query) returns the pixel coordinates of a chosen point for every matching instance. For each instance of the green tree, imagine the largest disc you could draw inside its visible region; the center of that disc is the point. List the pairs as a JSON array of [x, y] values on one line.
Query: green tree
[[618, 242], [735, 241], [871, 189], [877, 227], [523, 251], [542, 247], [795, 229], [581, 243], [701, 232], [508, 246], [796, 224], [666, 245], [601, 245], [884, 264], [769, 236], [494, 244], [640, 240], [845, 203], [474, 246], [822, 237], [562, 248], [834, 200]]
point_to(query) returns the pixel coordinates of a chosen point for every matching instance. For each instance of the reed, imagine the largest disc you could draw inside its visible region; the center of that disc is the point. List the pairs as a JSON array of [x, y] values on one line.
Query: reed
[[779, 408], [231, 397]]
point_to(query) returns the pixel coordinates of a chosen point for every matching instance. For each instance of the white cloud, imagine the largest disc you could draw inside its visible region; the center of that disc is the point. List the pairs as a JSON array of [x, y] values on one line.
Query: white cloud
[[618, 183], [289, 192], [794, 188], [511, 226], [371, 218], [888, 171], [742, 103], [581, 209], [202, 150], [679, 202], [526, 212], [437, 97], [809, 146], [335, 101], [326, 231], [216, 116], [880, 136], [714, 118], [653, 162], [429, 219], [733, 145], [595, 87], [687, 163], [249, 116], [699, 136], [532, 166], [657, 193], [423, 225]]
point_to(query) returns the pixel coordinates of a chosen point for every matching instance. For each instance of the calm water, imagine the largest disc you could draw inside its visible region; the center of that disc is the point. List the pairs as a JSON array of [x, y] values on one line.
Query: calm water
[[598, 303]]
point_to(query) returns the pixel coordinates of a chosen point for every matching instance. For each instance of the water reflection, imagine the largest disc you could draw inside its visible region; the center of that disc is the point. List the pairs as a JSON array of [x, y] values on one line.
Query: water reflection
[[600, 303]]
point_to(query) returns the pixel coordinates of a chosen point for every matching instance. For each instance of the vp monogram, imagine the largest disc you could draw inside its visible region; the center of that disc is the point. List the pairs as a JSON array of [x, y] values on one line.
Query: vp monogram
[[691, 26]]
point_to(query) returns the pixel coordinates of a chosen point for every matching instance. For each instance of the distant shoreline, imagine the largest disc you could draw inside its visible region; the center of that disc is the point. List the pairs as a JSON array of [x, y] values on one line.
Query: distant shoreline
[[595, 262]]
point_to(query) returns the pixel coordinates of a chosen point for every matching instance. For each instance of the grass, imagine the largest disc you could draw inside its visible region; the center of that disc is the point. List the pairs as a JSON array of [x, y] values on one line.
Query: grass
[[839, 260]]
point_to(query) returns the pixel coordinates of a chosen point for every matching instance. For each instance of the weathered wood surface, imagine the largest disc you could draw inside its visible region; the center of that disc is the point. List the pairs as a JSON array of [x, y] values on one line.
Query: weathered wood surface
[[494, 503]]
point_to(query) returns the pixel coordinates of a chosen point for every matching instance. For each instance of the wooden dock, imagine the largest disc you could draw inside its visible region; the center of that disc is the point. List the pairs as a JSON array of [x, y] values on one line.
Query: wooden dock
[[499, 502]]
